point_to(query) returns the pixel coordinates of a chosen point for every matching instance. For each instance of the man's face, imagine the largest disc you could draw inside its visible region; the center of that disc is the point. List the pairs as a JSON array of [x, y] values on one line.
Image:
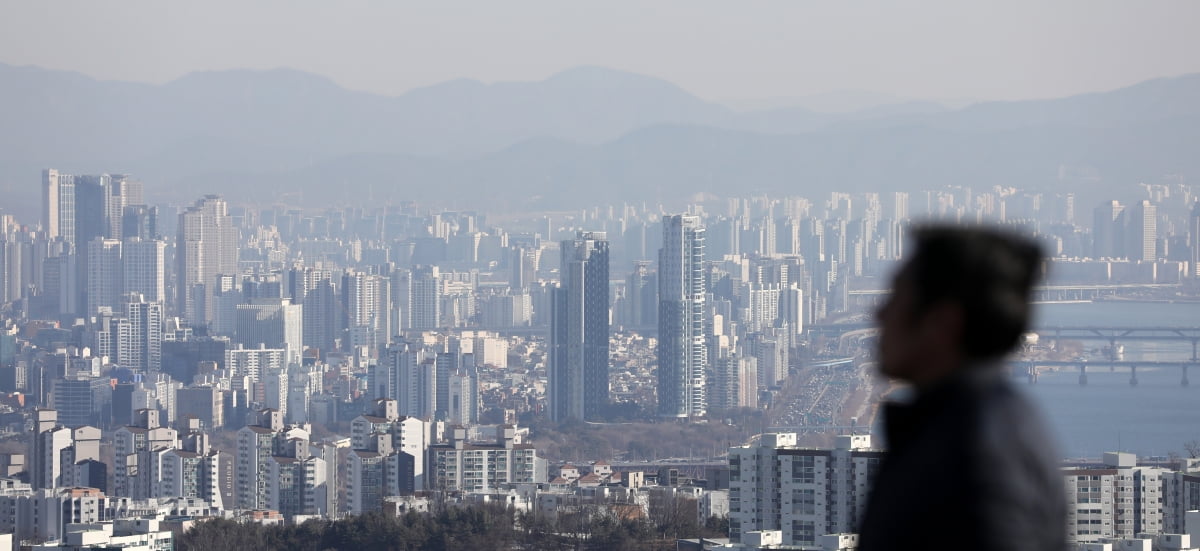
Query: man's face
[[904, 337]]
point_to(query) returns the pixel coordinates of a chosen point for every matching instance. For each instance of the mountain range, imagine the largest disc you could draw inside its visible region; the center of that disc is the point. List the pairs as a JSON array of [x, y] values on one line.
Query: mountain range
[[583, 137]]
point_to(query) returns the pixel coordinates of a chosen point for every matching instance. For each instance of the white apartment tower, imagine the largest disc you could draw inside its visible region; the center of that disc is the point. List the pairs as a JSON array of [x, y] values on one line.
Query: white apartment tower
[[275, 469], [1116, 499], [139, 334], [206, 247], [137, 450], [274, 322], [143, 268], [467, 467], [387, 457], [682, 355]]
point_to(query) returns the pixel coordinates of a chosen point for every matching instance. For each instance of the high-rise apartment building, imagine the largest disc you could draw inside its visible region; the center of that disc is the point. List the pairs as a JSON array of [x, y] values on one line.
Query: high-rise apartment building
[[274, 322], [206, 246], [804, 492], [313, 289], [276, 471], [465, 466], [1142, 232], [735, 374], [387, 456], [139, 334], [1108, 230], [52, 202], [1114, 499], [425, 303], [104, 276], [682, 355], [136, 451], [256, 362], [1194, 238], [365, 301], [143, 268], [641, 296], [578, 370], [410, 376], [192, 468]]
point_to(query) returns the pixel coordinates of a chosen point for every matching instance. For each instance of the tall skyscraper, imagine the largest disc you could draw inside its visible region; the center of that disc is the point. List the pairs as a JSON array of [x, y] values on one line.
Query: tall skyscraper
[[50, 203], [578, 371], [206, 247], [682, 355], [1194, 237], [1142, 232], [1107, 234]]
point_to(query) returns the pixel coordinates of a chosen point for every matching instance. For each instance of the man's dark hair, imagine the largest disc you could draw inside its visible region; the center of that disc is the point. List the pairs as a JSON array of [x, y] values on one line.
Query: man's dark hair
[[989, 272]]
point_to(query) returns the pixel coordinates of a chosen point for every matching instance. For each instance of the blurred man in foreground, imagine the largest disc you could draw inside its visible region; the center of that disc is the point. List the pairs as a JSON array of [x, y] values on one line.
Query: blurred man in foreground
[[970, 464]]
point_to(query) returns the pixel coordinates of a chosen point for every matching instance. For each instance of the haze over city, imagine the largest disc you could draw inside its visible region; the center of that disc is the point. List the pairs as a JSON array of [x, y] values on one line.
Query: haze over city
[[529, 275]]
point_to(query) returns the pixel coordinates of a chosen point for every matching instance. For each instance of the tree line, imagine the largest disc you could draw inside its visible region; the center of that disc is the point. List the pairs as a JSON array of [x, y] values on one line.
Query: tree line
[[482, 527]]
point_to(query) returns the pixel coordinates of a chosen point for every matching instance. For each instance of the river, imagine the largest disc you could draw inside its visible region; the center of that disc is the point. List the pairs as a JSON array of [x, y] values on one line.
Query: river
[[1154, 418]]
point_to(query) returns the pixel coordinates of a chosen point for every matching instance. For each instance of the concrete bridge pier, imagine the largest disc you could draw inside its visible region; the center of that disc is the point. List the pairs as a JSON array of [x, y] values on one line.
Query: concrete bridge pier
[[1033, 373], [1133, 376], [1082, 374], [1184, 381]]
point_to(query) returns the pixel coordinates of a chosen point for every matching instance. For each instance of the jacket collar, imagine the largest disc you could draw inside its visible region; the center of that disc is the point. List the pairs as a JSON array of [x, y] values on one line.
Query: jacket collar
[[903, 420]]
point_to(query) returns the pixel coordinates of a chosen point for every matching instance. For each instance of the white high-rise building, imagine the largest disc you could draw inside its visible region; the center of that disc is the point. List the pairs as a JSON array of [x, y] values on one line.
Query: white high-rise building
[[804, 492], [366, 300], [274, 469], [206, 246], [143, 268], [139, 334], [387, 457], [467, 467], [682, 355], [137, 450], [51, 220], [408, 375], [274, 322], [426, 300], [1115, 499], [254, 363], [1142, 232]]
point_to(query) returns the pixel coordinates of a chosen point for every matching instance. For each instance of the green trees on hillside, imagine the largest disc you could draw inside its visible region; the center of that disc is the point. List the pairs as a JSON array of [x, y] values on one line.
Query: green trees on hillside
[[476, 527]]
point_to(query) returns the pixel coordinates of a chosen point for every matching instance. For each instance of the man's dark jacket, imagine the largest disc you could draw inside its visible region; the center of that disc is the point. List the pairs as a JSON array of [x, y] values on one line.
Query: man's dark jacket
[[970, 465]]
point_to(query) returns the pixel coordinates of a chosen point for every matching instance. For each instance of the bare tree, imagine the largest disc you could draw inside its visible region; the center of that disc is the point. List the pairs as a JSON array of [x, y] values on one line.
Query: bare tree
[[1193, 448]]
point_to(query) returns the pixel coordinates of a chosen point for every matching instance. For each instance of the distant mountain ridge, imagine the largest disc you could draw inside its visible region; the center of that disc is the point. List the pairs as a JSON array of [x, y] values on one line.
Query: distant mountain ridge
[[583, 135]]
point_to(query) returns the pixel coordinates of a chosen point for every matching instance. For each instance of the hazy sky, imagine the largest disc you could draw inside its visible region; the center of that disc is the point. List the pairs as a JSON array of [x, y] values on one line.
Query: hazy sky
[[719, 50]]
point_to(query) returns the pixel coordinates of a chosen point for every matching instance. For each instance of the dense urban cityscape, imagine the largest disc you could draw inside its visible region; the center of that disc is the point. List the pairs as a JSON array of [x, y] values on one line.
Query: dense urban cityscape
[[272, 364], [599, 276]]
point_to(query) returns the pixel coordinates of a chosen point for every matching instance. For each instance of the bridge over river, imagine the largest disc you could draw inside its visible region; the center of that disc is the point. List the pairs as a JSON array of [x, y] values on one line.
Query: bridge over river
[[1031, 368]]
